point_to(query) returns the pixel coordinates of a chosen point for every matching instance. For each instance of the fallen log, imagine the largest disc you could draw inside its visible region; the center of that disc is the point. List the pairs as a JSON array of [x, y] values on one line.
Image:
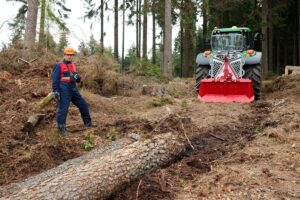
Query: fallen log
[[45, 101], [100, 176], [32, 121]]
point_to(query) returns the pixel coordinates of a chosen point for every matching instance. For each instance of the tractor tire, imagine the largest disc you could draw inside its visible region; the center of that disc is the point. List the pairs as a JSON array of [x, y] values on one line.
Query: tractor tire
[[253, 72], [201, 73]]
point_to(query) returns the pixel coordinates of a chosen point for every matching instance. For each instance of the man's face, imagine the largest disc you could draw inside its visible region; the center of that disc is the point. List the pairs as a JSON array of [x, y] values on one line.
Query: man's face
[[68, 57]]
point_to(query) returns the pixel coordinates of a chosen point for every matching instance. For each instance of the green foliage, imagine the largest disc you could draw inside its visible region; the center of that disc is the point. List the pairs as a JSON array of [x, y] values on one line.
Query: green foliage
[[89, 141], [51, 44], [161, 101], [93, 46], [181, 182], [63, 43], [112, 134], [184, 104], [153, 70], [83, 49], [143, 119], [18, 24]]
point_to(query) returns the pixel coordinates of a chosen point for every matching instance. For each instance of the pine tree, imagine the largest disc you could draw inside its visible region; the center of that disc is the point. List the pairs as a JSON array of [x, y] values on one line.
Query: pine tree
[[63, 42]]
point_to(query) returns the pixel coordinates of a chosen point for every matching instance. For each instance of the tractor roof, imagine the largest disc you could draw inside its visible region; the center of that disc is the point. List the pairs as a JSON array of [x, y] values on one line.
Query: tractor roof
[[232, 29]]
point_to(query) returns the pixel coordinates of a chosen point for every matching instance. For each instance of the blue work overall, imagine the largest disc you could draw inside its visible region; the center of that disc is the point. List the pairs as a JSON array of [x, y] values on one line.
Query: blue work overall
[[66, 87]]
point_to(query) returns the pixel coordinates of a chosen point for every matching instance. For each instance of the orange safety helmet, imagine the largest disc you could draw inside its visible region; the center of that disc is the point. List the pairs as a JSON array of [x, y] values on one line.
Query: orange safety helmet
[[69, 50]]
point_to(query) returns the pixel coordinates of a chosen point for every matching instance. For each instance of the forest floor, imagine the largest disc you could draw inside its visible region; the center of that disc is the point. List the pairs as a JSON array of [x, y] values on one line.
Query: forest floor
[[241, 151]]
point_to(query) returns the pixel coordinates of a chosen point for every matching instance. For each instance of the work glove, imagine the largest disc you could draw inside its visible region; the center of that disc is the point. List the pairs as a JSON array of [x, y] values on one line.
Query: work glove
[[75, 77], [57, 95]]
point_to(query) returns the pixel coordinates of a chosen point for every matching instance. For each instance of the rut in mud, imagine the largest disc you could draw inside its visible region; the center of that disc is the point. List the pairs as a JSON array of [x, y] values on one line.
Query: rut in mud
[[210, 144]]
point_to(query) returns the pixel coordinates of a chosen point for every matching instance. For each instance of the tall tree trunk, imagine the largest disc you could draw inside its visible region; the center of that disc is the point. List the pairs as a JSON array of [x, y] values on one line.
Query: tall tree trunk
[[137, 29], [278, 55], [204, 25], [116, 37], [153, 34], [265, 44], [123, 37], [42, 38], [100, 175], [102, 25], [140, 26], [298, 32], [167, 63], [295, 36], [181, 38], [31, 20], [286, 55], [271, 41], [145, 27], [188, 38]]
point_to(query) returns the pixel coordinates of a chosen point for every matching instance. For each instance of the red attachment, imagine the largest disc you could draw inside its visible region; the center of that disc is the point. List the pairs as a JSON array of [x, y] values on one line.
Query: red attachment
[[226, 87]]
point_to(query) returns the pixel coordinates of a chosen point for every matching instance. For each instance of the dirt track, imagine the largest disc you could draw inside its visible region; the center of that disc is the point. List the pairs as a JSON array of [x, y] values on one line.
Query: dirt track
[[242, 151]]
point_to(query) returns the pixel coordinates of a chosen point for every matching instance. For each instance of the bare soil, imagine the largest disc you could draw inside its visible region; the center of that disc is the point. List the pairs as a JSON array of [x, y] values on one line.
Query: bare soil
[[241, 151]]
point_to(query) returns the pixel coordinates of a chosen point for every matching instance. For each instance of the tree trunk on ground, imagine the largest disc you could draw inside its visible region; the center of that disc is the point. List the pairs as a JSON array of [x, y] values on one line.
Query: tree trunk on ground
[[31, 21], [167, 56], [99, 176], [265, 63], [32, 121], [145, 27], [45, 101], [116, 37]]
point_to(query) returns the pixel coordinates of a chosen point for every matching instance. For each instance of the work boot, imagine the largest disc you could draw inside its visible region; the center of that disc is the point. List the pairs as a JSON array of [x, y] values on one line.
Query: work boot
[[90, 124], [62, 130]]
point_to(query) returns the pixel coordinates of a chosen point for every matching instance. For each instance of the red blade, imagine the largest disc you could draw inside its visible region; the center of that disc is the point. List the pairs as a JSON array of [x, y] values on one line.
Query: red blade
[[226, 91]]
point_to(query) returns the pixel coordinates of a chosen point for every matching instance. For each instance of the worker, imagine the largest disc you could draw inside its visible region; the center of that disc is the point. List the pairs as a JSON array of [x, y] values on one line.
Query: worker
[[64, 79]]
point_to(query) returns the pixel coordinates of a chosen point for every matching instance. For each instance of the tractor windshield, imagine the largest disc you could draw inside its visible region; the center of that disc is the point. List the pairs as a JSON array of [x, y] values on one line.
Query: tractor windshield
[[228, 42]]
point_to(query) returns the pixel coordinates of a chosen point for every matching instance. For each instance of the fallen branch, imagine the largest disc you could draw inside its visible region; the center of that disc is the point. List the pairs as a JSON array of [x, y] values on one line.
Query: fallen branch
[[27, 62], [45, 101], [137, 190], [185, 135], [100, 176], [216, 137], [160, 122]]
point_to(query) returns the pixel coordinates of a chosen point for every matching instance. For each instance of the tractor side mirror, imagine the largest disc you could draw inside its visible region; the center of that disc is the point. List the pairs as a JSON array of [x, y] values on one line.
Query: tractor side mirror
[[258, 37]]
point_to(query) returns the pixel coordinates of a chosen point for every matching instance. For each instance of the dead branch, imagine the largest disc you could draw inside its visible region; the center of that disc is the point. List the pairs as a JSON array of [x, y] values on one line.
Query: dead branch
[[216, 137], [27, 62]]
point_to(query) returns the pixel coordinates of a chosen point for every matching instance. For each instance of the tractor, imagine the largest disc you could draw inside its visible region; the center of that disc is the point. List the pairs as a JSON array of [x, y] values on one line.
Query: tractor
[[231, 70]]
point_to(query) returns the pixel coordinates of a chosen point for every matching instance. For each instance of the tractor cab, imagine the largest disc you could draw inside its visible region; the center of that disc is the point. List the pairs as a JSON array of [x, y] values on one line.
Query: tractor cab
[[232, 39]]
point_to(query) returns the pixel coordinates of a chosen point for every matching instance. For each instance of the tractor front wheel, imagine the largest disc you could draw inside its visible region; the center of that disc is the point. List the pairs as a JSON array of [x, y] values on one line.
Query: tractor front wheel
[[201, 73], [253, 72]]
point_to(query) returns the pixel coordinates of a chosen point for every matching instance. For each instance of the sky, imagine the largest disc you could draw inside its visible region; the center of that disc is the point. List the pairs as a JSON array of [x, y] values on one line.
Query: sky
[[80, 30]]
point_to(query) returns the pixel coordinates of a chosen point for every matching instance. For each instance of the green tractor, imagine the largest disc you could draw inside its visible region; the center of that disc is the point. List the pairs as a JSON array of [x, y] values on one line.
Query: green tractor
[[231, 70]]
